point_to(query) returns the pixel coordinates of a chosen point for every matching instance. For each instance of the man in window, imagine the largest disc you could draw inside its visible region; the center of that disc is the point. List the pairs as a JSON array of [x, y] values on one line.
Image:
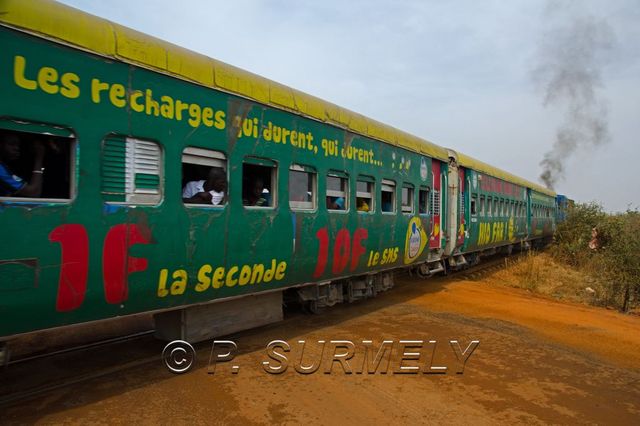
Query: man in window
[[12, 185], [335, 203], [210, 191], [361, 205], [256, 195]]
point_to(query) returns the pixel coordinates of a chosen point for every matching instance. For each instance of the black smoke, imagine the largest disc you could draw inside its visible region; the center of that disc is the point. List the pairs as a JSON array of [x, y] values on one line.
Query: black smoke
[[572, 52]]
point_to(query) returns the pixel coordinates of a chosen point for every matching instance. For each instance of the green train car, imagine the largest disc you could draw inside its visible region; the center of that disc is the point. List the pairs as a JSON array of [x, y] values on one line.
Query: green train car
[[136, 176]]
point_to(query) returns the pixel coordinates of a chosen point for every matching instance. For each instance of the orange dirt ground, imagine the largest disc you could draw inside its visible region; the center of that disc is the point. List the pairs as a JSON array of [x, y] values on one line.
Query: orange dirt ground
[[539, 361]]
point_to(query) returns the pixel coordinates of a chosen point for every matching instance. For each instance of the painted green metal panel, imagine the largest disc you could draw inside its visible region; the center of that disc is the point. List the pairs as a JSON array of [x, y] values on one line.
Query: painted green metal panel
[[152, 257]]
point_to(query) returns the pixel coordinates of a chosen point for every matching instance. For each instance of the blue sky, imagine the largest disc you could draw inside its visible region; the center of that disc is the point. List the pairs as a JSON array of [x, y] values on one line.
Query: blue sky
[[457, 73]]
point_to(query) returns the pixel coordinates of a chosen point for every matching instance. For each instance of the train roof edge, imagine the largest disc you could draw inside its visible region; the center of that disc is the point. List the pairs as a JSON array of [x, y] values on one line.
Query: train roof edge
[[91, 33], [466, 161]]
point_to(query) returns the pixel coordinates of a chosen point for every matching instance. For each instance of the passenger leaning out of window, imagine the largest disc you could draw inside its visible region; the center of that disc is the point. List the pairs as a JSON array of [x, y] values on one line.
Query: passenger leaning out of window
[[210, 191], [12, 185]]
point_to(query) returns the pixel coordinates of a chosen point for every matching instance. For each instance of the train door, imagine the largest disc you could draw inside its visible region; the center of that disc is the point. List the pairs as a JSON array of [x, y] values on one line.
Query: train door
[[453, 187], [462, 209], [434, 239], [529, 213]]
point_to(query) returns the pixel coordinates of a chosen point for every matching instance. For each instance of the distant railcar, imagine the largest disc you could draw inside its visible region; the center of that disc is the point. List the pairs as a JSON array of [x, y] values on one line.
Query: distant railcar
[[169, 181], [563, 204]]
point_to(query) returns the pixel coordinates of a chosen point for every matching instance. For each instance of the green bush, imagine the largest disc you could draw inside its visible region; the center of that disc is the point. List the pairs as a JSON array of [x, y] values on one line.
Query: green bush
[[614, 259]]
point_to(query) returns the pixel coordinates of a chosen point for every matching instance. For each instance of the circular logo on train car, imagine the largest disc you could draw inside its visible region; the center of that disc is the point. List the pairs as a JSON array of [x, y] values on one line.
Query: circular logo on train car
[[415, 242]]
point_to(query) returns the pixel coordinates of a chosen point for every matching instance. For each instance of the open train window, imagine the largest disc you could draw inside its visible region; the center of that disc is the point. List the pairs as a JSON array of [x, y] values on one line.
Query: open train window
[[36, 162], [407, 198], [388, 196], [482, 205], [423, 200], [337, 191], [474, 205], [131, 171], [302, 187], [259, 183], [365, 190], [489, 206], [204, 177]]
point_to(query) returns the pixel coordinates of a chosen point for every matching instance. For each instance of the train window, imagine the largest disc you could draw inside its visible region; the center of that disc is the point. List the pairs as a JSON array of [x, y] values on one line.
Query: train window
[[131, 171], [337, 191], [482, 206], [495, 207], [407, 198], [474, 205], [36, 162], [259, 183], [489, 206], [423, 200], [204, 177], [302, 188], [388, 196], [435, 203], [365, 189]]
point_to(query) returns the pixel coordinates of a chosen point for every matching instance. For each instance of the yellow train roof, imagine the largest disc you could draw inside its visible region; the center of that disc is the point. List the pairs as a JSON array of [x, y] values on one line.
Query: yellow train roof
[[71, 26], [472, 163]]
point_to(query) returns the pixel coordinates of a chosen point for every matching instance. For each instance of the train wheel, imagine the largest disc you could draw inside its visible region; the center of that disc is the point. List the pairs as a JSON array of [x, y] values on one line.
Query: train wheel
[[311, 307]]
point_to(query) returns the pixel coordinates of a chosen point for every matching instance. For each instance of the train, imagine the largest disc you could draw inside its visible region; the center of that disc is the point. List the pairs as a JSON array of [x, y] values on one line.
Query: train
[[140, 177]]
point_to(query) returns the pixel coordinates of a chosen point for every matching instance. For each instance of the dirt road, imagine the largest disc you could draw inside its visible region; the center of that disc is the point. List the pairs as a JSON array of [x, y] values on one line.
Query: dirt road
[[539, 361]]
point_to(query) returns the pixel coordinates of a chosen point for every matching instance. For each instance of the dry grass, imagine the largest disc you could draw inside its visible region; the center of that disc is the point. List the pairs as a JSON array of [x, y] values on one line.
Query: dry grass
[[541, 273]]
